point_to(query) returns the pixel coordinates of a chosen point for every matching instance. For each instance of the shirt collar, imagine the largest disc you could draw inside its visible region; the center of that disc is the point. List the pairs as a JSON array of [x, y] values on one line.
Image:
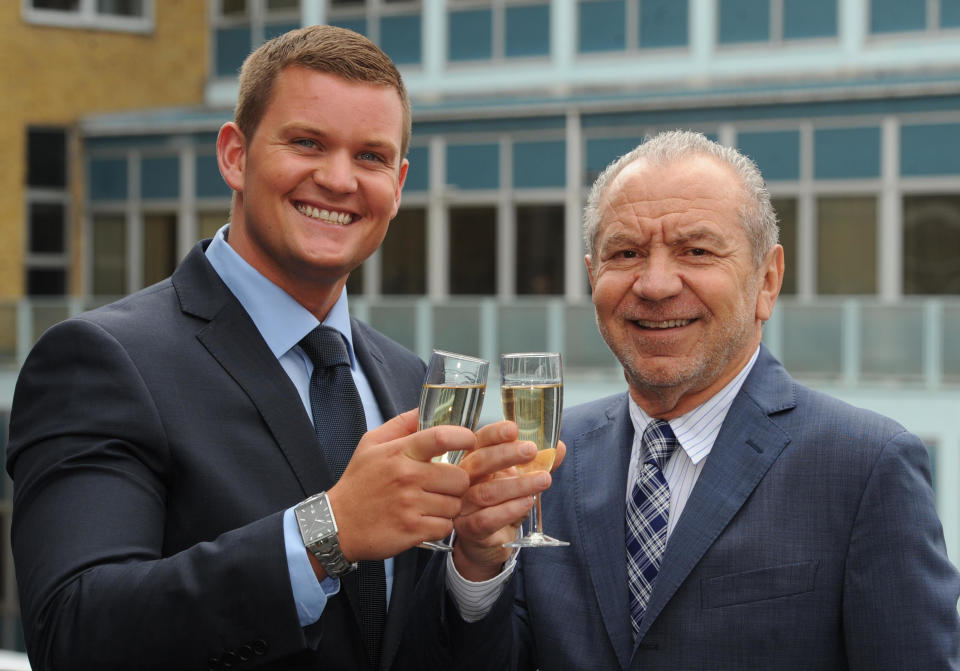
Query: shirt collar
[[697, 430], [281, 320]]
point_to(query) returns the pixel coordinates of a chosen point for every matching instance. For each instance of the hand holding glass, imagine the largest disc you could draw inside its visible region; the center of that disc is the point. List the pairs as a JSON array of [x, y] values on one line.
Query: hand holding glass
[[531, 388], [453, 391]]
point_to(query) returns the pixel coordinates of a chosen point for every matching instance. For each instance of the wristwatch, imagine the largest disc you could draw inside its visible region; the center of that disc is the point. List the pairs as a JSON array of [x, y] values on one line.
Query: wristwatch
[[318, 528]]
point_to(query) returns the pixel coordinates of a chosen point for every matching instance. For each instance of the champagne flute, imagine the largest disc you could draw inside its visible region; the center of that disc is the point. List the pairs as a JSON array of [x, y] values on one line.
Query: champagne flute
[[453, 390], [531, 388]]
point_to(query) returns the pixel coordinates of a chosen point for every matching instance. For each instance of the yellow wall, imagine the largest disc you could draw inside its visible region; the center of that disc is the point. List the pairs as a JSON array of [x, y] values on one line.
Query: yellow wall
[[51, 75]]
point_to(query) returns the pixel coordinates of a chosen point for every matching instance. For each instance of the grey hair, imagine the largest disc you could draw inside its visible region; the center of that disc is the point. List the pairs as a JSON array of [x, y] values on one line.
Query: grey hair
[[757, 214]]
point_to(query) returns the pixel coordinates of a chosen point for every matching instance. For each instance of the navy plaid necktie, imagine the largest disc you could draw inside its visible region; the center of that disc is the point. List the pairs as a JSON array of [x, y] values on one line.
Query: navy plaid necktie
[[340, 422], [646, 518]]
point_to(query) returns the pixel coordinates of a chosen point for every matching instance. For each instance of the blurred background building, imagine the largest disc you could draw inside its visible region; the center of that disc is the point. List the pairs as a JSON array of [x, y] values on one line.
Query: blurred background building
[[851, 108]]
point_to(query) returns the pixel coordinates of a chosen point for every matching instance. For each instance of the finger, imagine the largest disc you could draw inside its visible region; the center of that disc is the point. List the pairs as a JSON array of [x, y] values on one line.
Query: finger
[[403, 424], [445, 479], [498, 432], [495, 492], [487, 522], [485, 461], [429, 443], [561, 453]]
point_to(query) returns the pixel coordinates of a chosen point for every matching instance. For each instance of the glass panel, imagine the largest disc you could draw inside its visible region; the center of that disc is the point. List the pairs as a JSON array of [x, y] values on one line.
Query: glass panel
[[209, 182], [396, 321], [208, 223], [951, 343], [931, 244], [8, 340], [403, 253], [663, 23], [473, 166], [45, 316], [471, 35], [457, 328], [847, 245], [602, 25], [539, 164], [159, 247], [47, 228], [950, 13], [809, 18], [233, 45], [109, 256], [355, 282], [418, 174], [846, 153], [46, 281], [528, 30], [344, 3], [108, 179], [160, 177], [282, 6], [812, 339], [522, 328], [892, 341], [120, 7], [271, 30], [400, 38], [744, 21], [540, 244], [776, 153], [888, 16], [583, 345], [61, 5], [357, 25], [46, 158], [233, 7], [473, 250], [922, 149], [601, 152], [786, 209]]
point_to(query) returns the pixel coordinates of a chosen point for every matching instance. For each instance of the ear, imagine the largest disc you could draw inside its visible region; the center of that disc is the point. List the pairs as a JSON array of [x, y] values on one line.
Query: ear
[[588, 260], [232, 155], [771, 278], [401, 178]]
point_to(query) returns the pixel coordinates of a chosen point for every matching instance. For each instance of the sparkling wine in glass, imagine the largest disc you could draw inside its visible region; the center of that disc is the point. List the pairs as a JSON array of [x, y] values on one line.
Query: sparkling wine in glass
[[453, 390], [531, 388]]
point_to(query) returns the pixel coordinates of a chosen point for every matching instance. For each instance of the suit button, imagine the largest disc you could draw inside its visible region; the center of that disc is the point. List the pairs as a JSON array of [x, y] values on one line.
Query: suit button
[[213, 664], [244, 652], [259, 647], [229, 660]]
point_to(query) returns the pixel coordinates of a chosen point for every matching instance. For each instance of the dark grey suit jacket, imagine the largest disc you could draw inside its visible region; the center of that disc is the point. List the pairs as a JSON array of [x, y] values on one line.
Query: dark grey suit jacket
[[810, 541], [154, 444]]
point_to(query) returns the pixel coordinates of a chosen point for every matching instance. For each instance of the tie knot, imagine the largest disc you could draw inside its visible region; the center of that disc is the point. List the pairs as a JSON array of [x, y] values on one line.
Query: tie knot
[[659, 442], [325, 347]]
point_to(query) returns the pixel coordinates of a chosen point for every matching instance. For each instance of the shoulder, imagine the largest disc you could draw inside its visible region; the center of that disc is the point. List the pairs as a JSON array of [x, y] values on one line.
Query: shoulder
[[389, 355], [585, 417]]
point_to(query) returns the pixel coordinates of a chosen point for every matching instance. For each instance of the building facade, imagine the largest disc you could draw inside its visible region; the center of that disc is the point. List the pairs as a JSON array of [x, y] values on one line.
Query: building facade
[[851, 108]]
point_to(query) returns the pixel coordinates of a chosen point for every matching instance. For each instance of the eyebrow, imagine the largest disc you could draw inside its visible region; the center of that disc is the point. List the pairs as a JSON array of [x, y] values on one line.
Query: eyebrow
[[699, 233]]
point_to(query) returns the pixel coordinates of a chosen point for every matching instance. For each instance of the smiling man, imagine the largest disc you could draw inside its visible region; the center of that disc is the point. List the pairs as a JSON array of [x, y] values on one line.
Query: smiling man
[[720, 514], [189, 488]]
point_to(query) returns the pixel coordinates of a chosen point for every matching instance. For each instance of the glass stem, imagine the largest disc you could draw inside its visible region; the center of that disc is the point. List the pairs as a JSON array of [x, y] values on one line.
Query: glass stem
[[536, 521]]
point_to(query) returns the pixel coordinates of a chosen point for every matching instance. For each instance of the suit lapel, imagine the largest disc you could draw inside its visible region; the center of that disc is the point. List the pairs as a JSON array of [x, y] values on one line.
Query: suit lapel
[[748, 443], [601, 457]]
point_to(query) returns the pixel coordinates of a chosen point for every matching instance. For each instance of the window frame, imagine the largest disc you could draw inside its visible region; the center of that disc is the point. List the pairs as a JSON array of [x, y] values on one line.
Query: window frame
[[53, 196], [87, 17]]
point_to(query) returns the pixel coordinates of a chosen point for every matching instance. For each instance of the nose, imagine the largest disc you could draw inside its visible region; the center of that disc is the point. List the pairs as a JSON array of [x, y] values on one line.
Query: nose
[[657, 278], [335, 172]]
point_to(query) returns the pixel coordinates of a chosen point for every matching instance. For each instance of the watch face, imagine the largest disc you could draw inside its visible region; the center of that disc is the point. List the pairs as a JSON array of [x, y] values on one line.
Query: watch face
[[315, 520]]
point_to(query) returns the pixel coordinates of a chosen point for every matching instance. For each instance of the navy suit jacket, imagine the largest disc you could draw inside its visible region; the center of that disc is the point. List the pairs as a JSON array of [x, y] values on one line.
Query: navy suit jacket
[[154, 444], [810, 541]]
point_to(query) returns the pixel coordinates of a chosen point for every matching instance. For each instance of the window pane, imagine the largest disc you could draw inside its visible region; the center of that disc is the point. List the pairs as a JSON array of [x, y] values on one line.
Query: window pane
[[120, 7], [847, 245], [46, 281], [603, 151], [355, 282], [744, 20], [282, 5], [786, 209], [473, 166], [892, 341], [663, 23], [888, 16], [399, 322], [950, 13], [160, 177], [471, 35], [233, 45], [404, 253], [62, 5], [47, 228], [931, 244], [457, 328], [46, 157], [950, 338], [473, 249], [159, 247], [357, 25], [540, 236], [418, 172], [233, 7], [922, 149], [539, 164], [812, 339], [521, 327], [108, 179], [846, 153], [400, 38], [209, 182], [602, 25], [109, 256], [809, 18], [528, 30], [208, 223], [776, 153], [271, 30]]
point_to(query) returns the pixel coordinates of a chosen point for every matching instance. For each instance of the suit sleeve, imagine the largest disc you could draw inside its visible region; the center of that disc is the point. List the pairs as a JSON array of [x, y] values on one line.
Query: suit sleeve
[[92, 471], [900, 590]]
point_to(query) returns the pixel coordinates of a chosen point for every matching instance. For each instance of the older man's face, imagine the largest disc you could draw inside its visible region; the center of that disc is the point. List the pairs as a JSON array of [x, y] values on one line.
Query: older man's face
[[678, 298]]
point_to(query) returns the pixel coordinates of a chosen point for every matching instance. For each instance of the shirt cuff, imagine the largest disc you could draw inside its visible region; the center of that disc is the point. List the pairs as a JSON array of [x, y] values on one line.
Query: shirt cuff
[[309, 594], [475, 599]]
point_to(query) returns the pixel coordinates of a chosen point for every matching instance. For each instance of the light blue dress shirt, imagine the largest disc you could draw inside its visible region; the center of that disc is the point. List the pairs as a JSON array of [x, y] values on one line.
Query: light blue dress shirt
[[283, 323]]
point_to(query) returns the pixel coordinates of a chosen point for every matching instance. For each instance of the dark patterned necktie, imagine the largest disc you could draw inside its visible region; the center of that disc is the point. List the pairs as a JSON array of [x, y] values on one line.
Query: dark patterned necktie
[[646, 518], [340, 422]]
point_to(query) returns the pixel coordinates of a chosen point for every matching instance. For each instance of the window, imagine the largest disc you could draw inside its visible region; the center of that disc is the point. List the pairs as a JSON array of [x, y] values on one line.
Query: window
[[47, 210], [159, 247], [847, 245], [395, 25], [403, 253], [742, 21], [473, 250], [109, 255], [125, 15], [240, 26], [931, 244], [615, 25], [786, 209], [897, 16], [498, 30], [540, 245]]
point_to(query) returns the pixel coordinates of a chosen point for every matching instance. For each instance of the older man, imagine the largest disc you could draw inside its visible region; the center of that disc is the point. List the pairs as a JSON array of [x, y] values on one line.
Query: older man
[[721, 515]]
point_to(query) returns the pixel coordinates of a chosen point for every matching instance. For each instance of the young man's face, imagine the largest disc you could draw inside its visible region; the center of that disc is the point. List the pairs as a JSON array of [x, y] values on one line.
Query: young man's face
[[320, 179]]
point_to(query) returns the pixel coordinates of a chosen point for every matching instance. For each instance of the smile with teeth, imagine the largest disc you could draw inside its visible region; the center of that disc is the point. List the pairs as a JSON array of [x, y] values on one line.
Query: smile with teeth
[[330, 216], [668, 324]]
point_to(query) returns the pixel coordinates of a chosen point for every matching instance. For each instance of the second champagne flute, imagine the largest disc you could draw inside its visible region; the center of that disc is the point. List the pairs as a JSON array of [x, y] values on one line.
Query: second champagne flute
[[453, 390]]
